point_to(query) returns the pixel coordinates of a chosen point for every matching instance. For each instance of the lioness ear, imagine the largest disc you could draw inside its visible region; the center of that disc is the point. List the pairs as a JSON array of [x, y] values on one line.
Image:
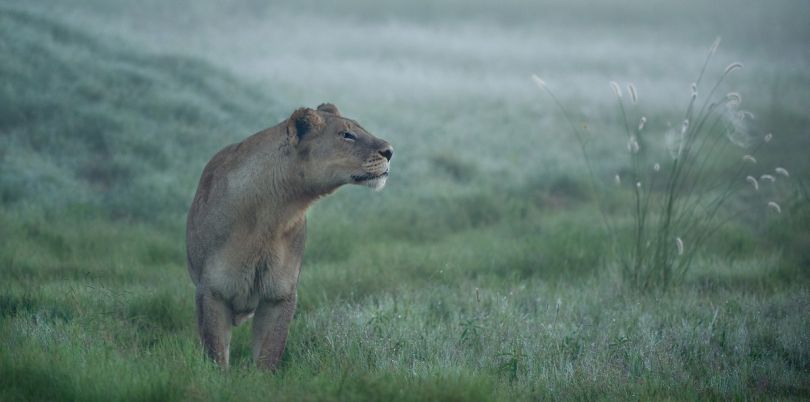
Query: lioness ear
[[329, 108], [301, 122]]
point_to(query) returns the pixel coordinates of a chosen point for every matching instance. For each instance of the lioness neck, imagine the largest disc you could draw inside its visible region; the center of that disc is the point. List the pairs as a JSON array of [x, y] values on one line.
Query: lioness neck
[[273, 191]]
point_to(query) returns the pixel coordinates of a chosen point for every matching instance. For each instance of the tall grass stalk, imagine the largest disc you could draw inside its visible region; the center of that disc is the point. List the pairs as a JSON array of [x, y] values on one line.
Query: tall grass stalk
[[675, 207]]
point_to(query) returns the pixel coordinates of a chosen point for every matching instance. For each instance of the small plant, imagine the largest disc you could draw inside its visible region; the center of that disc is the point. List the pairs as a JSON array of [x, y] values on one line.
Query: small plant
[[512, 362], [471, 330], [678, 202]]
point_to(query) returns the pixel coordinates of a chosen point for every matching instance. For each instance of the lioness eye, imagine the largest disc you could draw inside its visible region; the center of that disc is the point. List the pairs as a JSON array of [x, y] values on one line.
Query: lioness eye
[[349, 136]]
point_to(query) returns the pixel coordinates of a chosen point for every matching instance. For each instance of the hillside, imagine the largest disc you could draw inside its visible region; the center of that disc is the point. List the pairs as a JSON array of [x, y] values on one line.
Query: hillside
[[90, 121]]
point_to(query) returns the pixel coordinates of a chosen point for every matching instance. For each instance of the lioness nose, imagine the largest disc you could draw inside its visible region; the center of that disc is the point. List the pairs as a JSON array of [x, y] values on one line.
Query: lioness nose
[[387, 152]]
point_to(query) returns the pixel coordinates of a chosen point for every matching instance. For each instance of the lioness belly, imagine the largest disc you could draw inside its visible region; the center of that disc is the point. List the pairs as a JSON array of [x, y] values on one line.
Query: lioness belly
[[243, 282]]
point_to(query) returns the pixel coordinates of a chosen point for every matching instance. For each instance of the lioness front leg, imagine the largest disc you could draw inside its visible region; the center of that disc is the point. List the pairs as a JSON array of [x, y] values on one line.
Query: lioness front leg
[[214, 321], [270, 326]]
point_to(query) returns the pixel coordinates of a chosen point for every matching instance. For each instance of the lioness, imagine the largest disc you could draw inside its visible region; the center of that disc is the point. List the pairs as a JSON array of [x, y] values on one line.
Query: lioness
[[247, 225]]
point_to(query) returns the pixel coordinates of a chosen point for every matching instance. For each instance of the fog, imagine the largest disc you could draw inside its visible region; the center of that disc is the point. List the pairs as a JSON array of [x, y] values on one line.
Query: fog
[[451, 78], [424, 71]]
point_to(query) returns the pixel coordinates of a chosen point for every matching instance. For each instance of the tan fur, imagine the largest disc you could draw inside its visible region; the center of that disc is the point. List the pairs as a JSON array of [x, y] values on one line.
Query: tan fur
[[247, 224]]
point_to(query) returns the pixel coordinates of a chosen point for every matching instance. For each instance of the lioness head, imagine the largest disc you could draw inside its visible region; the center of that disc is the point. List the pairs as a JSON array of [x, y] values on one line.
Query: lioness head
[[333, 150]]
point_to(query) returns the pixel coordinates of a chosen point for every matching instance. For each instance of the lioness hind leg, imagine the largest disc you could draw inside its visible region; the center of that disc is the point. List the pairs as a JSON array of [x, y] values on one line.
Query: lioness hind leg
[[214, 321], [270, 327]]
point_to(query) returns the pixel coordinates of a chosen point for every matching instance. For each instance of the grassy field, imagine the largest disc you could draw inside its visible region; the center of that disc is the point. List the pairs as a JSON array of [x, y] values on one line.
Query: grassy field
[[483, 270]]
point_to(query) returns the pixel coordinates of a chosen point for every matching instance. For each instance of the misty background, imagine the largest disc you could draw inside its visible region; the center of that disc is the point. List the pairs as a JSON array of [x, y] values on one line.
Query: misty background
[[449, 80]]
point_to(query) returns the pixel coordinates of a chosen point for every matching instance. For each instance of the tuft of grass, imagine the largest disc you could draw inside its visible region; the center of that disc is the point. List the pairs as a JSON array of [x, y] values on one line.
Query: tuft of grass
[[677, 204]]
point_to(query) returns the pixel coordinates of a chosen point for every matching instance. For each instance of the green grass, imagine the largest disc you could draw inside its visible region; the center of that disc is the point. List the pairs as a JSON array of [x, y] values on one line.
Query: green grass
[[481, 273], [445, 321]]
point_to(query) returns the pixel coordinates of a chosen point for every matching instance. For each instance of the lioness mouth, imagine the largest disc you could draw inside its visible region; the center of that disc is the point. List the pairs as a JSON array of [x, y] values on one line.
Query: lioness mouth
[[368, 176]]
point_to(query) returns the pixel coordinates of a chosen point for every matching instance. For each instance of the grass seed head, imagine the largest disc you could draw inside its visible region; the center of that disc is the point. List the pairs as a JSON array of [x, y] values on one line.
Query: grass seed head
[[674, 142], [738, 129], [714, 46], [782, 171], [679, 245], [539, 81], [733, 98], [632, 90], [632, 144], [731, 67], [753, 182], [749, 158], [767, 177], [616, 89], [775, 207]]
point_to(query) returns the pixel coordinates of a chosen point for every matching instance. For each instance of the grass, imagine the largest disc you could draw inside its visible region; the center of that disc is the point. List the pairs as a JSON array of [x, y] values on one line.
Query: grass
[[469, 332], [481, 273], [712, 161]]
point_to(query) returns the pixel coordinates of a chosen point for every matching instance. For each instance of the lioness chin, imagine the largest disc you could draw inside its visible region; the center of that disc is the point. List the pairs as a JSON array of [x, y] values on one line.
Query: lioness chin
[[247, 224]]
